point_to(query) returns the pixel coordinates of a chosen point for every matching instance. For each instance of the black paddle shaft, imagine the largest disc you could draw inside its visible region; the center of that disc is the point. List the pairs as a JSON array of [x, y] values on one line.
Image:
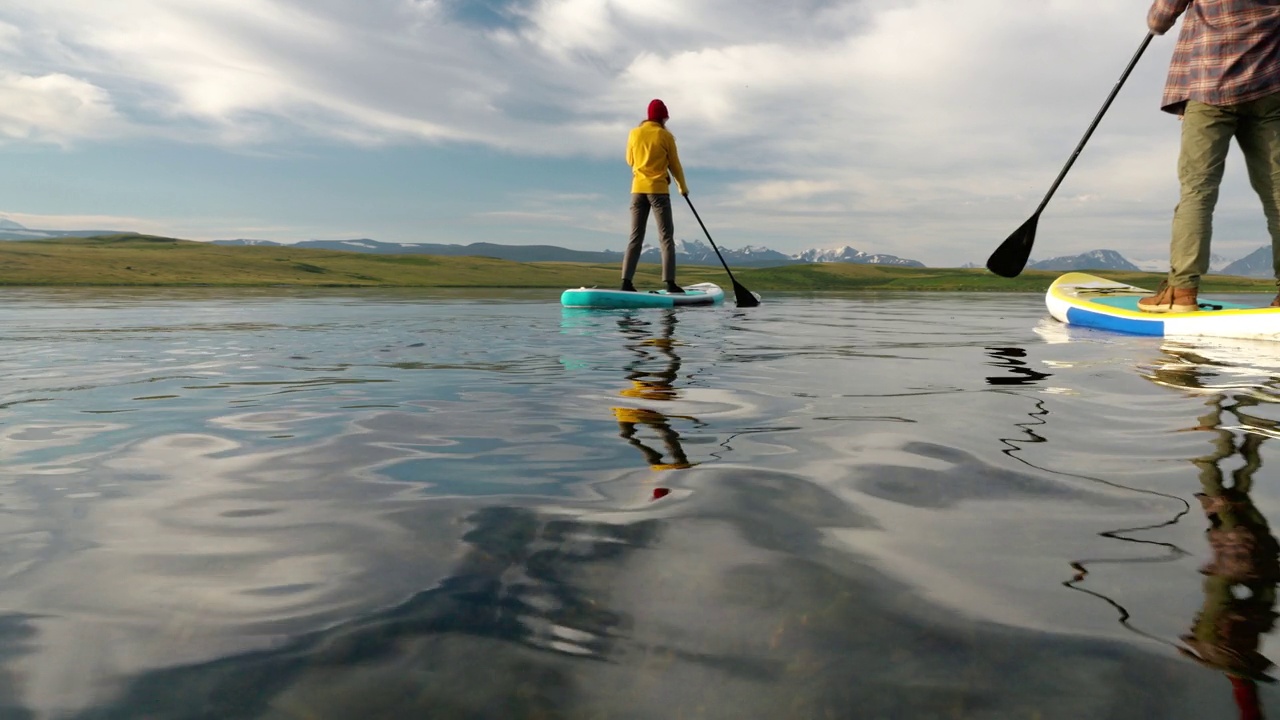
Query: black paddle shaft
[[1097, 119], [743, 296], [1011, 257]]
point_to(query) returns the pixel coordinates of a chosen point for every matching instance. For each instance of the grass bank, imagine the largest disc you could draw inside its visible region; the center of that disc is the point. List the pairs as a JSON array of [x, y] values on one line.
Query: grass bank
[[136, 260]]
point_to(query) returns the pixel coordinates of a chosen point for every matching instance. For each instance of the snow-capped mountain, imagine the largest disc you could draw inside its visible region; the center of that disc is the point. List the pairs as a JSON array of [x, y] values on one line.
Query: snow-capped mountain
[[849, 255], [697, 252], [1092, 260], [1256, 264]]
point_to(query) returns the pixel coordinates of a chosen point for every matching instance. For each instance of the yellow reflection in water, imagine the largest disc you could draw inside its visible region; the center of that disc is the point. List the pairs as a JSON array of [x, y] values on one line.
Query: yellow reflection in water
[[652, 375]]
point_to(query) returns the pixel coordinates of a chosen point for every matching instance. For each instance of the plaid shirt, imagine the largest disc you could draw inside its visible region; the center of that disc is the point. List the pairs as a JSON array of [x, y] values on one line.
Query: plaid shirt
[[1227, 53]]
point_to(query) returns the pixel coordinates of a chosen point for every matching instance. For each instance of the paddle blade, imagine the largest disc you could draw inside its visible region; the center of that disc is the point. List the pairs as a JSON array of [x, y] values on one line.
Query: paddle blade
[[743, 296], [1011, 257]]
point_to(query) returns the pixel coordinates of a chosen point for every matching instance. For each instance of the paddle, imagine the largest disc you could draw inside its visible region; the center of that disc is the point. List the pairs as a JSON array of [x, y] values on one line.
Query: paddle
[[743, 296], [1011, 257]]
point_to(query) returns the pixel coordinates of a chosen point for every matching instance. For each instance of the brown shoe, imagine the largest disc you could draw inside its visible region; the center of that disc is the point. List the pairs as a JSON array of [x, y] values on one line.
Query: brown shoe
[[1170, 299]]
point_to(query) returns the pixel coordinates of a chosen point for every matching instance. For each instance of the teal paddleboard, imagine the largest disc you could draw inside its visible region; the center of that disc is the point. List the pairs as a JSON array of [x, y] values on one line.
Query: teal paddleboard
[[584, 297]]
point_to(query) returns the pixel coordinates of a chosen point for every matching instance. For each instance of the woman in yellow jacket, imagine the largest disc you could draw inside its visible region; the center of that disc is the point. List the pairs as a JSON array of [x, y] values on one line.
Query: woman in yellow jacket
[[651, 153]]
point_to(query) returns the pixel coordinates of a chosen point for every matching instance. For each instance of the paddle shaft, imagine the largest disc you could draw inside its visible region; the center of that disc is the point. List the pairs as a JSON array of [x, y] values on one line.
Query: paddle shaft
[[713, 242], [1092, 126], [744, 297]]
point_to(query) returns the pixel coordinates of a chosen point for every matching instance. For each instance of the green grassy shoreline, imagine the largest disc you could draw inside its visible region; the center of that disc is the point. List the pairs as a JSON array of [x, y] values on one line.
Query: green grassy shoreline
[[142, 261]]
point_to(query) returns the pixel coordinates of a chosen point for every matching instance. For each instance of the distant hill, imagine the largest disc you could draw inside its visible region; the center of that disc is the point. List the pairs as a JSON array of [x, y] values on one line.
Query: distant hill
[[1092, 260], [519, 253], [1256, 264], [10, 230]]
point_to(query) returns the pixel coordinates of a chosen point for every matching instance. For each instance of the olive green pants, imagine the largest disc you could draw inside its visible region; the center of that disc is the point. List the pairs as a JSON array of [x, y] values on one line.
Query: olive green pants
[[1207, 131]]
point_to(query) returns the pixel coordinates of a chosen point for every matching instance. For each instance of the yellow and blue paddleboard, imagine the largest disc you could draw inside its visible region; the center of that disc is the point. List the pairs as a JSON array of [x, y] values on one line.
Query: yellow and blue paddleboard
[[1091, 301]]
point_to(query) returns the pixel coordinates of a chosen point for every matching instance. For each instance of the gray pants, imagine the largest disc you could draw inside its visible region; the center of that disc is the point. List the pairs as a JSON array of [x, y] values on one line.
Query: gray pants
[[641, 203], [1207, 131]]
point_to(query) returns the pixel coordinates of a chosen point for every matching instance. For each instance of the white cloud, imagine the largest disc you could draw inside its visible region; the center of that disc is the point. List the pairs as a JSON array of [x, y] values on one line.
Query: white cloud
[[786, 190], [242, 67], [53, 108], [566, 27], [9, 35], [926, 128]]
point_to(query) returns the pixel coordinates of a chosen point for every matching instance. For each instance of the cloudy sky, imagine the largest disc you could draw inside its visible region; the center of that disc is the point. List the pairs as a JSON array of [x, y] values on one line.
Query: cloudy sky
[[928, 129]]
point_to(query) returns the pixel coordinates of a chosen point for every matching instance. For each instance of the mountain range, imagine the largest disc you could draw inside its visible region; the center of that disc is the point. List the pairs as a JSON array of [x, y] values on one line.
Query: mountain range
[[687, 252], [1092, 260], [695, 252], [1255, 264]]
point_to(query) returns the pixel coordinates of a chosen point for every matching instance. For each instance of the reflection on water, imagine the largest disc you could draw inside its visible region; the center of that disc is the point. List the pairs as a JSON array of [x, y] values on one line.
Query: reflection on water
[[1238, 608], [1244, 567], [1019, 374], [653, 374], [448, 651], [333, 506], [1011, 360], [1016, 448]]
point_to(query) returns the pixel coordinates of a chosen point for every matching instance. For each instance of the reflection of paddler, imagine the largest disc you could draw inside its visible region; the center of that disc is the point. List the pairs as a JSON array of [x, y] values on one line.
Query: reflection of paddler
[[630, 418], [1244, 569], [1240, 577], [1239, 597], [1225, 632], [656, 385]]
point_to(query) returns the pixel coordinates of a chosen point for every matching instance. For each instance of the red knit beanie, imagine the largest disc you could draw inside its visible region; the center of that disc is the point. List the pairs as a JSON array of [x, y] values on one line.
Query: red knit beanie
[[658, 110]]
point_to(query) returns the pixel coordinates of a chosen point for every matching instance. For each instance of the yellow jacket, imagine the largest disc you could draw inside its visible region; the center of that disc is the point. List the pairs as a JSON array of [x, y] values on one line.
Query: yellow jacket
[[651, 153]]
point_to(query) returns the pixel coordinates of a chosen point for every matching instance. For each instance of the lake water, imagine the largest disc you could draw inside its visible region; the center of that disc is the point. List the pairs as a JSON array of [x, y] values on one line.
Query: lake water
[[291, 504]]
